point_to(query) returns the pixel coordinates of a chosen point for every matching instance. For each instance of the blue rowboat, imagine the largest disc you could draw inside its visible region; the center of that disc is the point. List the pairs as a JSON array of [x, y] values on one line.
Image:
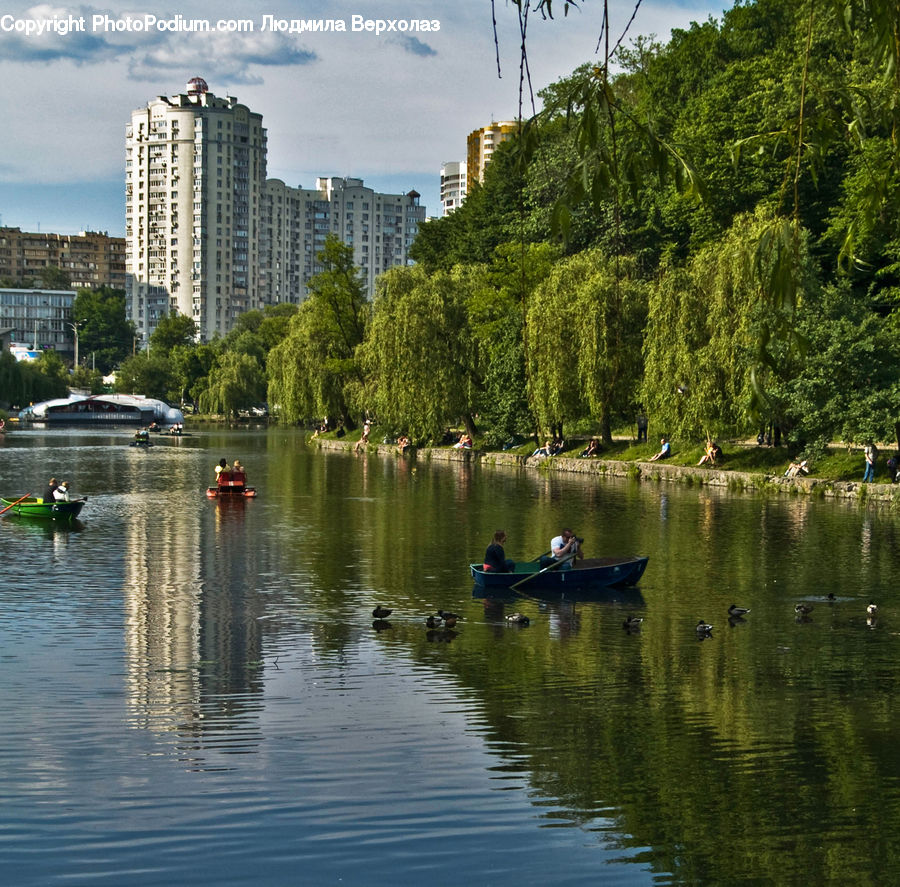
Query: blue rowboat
[[602, 572]]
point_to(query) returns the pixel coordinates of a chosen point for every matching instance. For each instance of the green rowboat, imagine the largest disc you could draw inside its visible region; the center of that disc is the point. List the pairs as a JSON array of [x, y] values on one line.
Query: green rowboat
[[33, 506]]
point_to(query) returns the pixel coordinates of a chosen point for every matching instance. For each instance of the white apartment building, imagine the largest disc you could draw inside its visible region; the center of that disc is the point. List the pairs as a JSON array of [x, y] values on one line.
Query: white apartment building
[[453, 185], [296, 221], [195, 172]]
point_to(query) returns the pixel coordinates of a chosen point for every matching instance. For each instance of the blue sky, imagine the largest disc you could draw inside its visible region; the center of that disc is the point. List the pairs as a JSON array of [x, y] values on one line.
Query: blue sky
[[387, 108]]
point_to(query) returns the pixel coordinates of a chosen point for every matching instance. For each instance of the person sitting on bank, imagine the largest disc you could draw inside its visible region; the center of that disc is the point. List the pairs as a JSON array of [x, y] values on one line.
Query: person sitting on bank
[[464, 442], [61, 493], [591, 449], [797, 469], [566, 547], [495, 560], [665, 451], [713, 453], [402, 444], [544, 450], [893, 467]]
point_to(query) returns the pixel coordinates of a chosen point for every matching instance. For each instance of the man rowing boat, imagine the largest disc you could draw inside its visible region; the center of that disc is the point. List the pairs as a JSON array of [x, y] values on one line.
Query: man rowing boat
[[566, 548]]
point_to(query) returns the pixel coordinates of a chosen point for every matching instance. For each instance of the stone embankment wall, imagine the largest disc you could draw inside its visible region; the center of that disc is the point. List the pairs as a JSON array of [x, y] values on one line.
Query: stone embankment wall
[[647, 471]]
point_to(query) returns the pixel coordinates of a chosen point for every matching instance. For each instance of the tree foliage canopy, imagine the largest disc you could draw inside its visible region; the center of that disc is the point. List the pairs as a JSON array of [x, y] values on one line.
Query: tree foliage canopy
[[314, 370]]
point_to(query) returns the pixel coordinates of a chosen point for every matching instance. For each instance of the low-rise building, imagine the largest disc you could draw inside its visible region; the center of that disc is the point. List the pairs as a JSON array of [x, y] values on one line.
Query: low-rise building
[[40, 319], [90, 259]]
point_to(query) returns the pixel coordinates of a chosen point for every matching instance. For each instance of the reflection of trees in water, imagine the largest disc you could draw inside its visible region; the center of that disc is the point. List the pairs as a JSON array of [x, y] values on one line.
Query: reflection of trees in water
[[649, 735]]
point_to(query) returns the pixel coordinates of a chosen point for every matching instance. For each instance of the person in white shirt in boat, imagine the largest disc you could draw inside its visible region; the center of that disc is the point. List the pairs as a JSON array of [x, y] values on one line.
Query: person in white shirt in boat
[[61, 493], [566, 548]]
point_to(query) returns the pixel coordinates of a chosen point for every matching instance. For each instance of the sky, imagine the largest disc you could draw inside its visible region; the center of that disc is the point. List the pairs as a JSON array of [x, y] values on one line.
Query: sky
[[389, 108]]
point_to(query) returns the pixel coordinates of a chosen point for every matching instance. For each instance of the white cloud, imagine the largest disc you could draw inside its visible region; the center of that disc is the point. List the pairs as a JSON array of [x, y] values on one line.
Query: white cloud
[[394, 105]]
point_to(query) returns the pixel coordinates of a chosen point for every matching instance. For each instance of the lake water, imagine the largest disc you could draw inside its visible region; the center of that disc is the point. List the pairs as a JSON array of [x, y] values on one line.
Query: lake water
[[193, 692]]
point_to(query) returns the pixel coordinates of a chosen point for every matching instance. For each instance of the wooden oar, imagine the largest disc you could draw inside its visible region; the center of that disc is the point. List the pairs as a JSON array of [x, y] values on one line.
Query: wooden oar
[[15, 503], [552, 566]]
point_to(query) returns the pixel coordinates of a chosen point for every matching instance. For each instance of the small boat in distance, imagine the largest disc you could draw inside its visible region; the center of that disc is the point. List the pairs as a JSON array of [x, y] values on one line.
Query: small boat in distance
[[34, 506], [601, 572]]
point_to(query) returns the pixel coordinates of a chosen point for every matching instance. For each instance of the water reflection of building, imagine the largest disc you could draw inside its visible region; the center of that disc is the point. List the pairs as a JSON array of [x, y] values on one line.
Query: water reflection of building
[[193, 644]]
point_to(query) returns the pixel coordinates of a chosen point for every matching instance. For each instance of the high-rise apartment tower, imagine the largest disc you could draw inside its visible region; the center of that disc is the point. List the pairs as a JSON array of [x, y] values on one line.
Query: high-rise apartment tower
[[453, 186], [195, 173], [481, 145], [296, 221]]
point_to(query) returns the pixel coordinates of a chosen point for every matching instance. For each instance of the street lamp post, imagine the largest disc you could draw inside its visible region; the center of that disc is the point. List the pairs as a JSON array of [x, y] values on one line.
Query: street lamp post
[[74, 327]]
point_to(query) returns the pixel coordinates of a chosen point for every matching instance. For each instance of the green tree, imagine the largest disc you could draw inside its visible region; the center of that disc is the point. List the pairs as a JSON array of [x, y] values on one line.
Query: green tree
[[849, 385], [173, 330], [419, 356], [497, 320], [275, 324], [314, 371], [554, 392], [53, 278], [702, 345], [493, 213], [10, 380], [150, 375], [191, 365], [585, 323], [87, 380], [105, 337], [269, 326], [236, 382], [33, 381]]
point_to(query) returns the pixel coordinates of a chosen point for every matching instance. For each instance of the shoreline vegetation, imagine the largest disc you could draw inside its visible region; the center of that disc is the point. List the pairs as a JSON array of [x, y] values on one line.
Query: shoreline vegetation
[[746, 467]]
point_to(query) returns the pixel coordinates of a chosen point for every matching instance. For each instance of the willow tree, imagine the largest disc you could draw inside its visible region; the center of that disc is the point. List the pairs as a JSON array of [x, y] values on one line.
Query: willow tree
[[497, 318], [584, 325], [554, 392], [707, 322], [419, 357], [236, 382], [314, 370]]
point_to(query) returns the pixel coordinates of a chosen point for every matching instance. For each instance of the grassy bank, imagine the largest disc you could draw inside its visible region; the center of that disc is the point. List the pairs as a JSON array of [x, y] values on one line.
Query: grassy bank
[[839, 462]]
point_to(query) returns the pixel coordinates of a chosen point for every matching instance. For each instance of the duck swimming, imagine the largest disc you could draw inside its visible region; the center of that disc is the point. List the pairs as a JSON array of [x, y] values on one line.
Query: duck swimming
[[704, 628], [518, 619], [381, 612], [803, 609], [735, 610], [872, 609], [632, 623]]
